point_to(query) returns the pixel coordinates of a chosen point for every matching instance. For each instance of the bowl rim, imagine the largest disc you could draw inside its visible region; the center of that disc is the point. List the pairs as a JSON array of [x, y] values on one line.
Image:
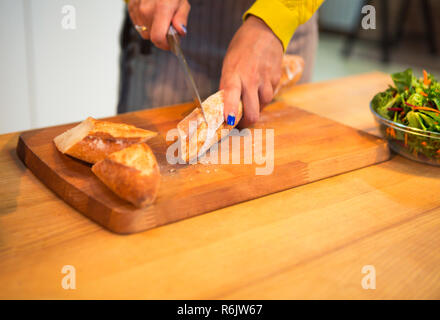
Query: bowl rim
[[405, 128]]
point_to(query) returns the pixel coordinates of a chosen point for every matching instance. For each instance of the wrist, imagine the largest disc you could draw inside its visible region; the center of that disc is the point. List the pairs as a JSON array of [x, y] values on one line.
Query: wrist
[[259, 26]]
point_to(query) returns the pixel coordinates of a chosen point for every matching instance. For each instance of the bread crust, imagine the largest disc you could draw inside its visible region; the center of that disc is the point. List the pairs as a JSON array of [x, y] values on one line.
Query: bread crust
[[96, 147], [137, 183], [96, 139]]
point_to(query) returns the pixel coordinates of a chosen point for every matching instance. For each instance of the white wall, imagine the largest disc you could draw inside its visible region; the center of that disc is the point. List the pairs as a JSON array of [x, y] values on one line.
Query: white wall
[[50, 75], [14, 92]]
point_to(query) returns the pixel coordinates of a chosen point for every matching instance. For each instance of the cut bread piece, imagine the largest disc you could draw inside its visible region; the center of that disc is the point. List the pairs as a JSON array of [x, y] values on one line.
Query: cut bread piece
[[132, 173], [292, 70], [92, 140], [196, 135]]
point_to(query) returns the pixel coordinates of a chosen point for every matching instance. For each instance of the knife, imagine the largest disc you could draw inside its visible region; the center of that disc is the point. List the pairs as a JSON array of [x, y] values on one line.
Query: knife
[[174, 43]]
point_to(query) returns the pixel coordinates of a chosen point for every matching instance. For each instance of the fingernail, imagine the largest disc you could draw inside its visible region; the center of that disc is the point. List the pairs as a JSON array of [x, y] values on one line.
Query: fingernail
[[184, 29], [231, 119]]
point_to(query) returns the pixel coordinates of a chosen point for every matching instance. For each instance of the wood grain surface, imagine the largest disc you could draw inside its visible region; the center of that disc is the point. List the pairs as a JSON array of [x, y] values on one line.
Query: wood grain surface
[[307, 242], [307, 148]]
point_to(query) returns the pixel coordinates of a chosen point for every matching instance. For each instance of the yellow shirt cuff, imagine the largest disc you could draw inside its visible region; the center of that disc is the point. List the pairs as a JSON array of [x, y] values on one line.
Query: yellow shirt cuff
[[282, 21]]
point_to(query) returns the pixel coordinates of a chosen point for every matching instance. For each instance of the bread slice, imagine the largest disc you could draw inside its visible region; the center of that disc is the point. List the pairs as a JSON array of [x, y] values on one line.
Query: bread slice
[[292, 70], [132, 173], [196, 135], [92, 140]]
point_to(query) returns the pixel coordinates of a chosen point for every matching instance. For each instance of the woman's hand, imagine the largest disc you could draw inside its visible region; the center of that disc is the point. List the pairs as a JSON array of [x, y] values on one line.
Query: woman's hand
[[157, 16], [251, 70]]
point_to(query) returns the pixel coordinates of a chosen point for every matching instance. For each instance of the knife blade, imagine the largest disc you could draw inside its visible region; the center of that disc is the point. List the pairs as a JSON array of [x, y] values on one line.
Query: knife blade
[[174, 43]]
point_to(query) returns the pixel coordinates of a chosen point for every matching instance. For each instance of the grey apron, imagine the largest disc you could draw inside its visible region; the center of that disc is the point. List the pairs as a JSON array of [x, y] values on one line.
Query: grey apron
[[152, 78]]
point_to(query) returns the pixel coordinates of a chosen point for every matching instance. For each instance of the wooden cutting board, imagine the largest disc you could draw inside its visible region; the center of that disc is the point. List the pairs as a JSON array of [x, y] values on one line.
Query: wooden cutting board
[[307, 148]]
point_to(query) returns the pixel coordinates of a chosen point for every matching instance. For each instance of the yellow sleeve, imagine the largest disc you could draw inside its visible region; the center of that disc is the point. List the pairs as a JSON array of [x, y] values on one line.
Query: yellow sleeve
[[284, 16]]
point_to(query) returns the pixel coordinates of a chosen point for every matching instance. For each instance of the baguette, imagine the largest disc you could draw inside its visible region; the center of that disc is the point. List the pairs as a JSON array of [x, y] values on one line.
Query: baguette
[[132, 173], [196, 135], [292, 70], [92, 140]]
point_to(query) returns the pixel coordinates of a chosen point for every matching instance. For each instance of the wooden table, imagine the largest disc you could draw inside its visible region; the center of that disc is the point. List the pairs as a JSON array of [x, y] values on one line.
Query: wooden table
[[307, 242]]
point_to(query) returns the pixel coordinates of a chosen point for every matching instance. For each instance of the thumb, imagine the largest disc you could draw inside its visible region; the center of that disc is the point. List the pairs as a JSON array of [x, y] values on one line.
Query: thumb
[[180, 19]]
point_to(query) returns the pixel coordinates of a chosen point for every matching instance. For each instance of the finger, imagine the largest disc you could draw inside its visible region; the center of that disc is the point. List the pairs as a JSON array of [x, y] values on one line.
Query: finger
[[163, 15], [180, 20], [136, 17], [251, 105], [231, 85], [133, 9], [265, 94], [275, 77], [146, 12]]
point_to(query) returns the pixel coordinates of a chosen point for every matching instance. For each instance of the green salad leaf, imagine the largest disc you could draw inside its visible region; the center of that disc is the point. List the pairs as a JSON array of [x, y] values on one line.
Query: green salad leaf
[[403, 80], [382, 101], [416, 99], [413, 120]]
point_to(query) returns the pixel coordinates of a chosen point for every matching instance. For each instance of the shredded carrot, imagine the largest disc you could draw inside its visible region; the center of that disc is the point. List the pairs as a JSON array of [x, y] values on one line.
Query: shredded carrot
[[424, 143], [426, 108], [406, 139], [390, 131], [423, 94], [426, 81], [438, 151]]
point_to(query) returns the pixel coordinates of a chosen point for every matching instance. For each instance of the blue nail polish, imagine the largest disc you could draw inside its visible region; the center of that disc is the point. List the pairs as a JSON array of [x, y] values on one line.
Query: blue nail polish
[[231, 119], [184, 28]]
